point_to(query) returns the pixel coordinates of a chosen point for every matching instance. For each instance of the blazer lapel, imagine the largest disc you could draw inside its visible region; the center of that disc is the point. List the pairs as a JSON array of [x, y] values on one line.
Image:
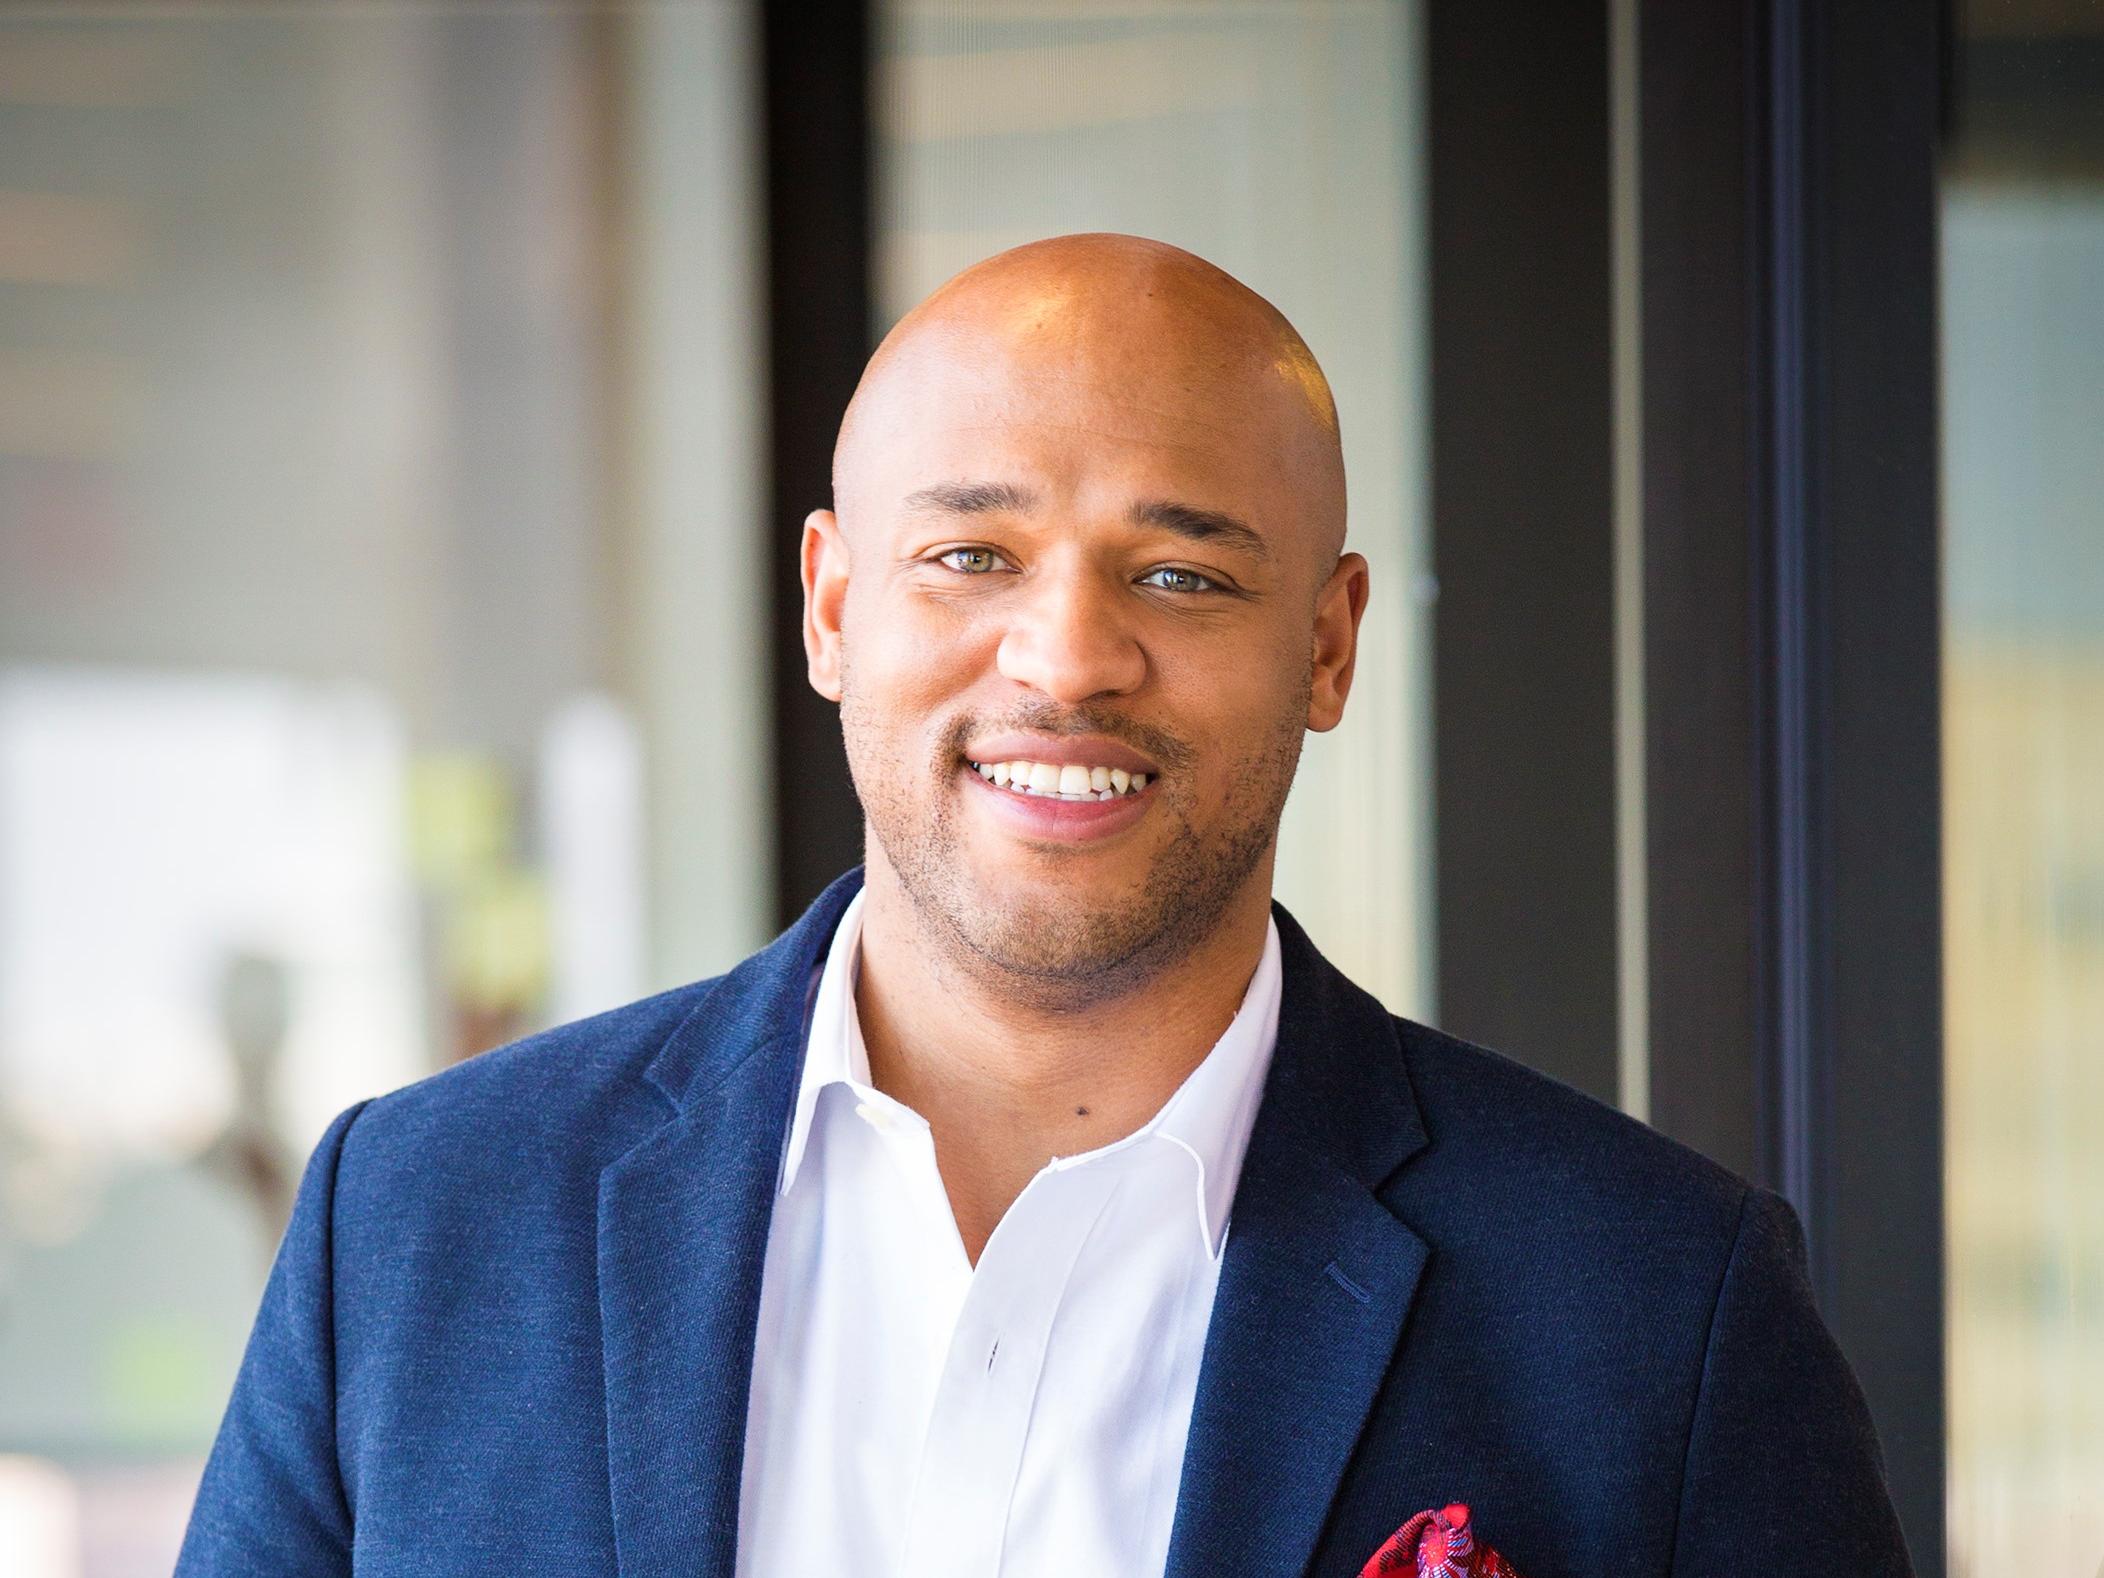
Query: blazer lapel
[[682, 1236], [1315, 1283]]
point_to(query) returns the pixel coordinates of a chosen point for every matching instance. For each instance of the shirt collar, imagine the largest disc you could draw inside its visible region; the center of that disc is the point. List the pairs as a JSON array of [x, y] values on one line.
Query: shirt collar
[[1209, 1117]]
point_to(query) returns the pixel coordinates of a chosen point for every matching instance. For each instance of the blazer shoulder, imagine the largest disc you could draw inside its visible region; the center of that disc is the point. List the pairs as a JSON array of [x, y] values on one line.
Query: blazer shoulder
[[1550, 1153], [574, 1089]]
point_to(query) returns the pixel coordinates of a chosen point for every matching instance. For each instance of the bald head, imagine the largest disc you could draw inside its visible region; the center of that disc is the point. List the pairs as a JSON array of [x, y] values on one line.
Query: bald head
[[1136, 338], [1088, 511]]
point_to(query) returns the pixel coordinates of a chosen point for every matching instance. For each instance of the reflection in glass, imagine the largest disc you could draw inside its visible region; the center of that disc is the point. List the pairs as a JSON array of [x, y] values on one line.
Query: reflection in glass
[[2023, 485]]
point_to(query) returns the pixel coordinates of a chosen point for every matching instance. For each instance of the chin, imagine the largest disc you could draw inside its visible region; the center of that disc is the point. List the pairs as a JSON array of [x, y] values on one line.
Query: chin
[[1064, 873], [1037, 903]]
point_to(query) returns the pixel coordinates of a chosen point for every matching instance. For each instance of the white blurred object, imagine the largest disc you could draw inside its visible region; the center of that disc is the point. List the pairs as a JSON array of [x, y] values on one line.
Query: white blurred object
[[591, 828], [39, 1520], [133, 1517], [153, 826]]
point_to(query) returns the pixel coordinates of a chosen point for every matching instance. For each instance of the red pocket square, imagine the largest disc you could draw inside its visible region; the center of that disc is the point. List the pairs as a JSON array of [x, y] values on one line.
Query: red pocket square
[[1437, 1544]]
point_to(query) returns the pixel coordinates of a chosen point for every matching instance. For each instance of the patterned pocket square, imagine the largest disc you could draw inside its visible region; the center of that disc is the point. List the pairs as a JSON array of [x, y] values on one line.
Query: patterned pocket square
[[1437, 1544]]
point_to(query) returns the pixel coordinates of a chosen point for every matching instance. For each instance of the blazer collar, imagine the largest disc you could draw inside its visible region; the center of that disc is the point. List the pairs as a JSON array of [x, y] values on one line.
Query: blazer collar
[[1316, 1279], [760, 1003]]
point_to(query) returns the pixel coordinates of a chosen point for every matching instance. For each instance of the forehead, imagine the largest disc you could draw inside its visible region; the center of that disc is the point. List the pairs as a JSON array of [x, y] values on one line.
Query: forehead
[[1073, 416]]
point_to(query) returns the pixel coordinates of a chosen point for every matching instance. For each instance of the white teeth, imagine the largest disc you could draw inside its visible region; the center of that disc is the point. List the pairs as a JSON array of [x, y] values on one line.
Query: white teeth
[[1064, 781]]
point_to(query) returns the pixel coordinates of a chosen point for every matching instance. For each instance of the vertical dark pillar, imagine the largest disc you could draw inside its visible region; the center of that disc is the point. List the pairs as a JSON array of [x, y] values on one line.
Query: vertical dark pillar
[[1792, 653], [1881, 1162], [817, 67], [1700, 654], [1523, 548]]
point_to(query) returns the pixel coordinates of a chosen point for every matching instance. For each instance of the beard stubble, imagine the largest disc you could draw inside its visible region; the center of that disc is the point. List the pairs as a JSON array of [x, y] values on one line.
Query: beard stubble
[[1082, 948]]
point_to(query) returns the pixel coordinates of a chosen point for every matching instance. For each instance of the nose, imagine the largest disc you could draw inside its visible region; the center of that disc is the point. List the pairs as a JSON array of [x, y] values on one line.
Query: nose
[[1068, 637]]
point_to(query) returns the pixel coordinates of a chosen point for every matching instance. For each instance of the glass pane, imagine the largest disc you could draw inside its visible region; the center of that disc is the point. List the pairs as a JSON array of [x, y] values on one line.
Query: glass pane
[[377, 488], [2023, 488], [1281, 142]]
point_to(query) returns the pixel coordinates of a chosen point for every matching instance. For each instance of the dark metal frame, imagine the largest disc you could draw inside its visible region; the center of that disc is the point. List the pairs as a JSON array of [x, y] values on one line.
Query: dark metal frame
[[1790, 607], [816, 64], [1522, 450], [1793, 652]]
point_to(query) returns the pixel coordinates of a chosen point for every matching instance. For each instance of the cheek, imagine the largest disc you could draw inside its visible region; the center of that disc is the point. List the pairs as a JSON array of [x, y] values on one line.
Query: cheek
[[1234, 690], [901, 676], [1245, 724], [913, 647]]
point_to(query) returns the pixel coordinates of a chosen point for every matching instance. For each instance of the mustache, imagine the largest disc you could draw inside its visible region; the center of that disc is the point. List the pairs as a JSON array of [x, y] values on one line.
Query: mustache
[[1162, 746]]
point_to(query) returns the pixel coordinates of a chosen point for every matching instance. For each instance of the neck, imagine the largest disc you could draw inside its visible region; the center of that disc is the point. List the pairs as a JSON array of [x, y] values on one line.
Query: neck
[[1007, 1082]]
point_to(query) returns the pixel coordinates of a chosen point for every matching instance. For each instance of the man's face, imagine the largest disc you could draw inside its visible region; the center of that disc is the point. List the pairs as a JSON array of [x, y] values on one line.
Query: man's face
[[1080, 555]]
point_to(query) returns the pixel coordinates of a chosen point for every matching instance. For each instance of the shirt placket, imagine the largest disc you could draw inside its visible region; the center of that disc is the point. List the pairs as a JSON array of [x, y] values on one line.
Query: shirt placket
[[972, 1450]]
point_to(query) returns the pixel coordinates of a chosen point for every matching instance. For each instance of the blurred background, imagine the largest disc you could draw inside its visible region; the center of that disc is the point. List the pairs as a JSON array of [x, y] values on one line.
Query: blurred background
[[406, 414]]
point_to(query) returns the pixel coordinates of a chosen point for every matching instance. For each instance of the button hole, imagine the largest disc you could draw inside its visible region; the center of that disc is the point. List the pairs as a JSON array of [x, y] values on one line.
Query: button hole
[[1346, 1283]]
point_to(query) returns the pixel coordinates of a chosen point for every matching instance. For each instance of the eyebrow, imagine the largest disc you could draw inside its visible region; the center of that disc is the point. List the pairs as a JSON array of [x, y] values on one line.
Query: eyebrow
[[971, 498], [1184, 520], [1201, 525]]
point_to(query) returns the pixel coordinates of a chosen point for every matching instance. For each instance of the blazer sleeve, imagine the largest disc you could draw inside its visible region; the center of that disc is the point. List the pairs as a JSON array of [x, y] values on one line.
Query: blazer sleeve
[[1783, 1468], [272, 1500]]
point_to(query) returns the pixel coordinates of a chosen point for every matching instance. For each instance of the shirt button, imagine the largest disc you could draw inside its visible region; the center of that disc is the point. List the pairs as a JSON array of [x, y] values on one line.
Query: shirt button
[[876, 1117]]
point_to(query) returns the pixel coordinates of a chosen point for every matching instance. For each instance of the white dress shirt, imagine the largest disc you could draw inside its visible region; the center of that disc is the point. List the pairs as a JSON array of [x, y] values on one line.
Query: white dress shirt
[[915, 1417]]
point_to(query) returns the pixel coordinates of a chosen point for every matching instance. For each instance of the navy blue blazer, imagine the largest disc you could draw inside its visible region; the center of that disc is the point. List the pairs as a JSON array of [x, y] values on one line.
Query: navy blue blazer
[[509, 1329]]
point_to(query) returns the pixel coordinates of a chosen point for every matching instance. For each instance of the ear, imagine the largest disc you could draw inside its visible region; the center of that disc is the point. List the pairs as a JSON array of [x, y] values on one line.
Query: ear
[[825, 599], [1338, 607]]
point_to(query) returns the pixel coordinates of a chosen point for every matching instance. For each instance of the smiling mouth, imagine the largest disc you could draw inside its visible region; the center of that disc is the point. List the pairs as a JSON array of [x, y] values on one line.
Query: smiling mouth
[[1056, 781]]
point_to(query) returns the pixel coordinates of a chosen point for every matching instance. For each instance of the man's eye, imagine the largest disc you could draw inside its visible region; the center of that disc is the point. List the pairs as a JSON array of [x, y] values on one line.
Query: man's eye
[[981, 559], [1191, 580]]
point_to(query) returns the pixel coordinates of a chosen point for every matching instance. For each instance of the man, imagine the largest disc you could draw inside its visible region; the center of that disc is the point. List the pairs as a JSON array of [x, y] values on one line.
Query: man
[[1042, 1201]]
